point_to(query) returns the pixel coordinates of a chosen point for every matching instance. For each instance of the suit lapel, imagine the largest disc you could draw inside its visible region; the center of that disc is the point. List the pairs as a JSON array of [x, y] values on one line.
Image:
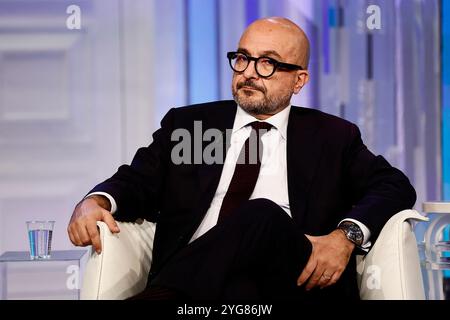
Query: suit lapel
[[303, 155]]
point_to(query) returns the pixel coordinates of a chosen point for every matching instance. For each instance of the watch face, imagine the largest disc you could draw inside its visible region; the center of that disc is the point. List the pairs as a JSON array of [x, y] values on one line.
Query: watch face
[[356, 233], [353, 232]]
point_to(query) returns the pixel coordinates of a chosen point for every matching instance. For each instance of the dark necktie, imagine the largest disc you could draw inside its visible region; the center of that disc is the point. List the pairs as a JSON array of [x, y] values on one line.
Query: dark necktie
[[246, 171]]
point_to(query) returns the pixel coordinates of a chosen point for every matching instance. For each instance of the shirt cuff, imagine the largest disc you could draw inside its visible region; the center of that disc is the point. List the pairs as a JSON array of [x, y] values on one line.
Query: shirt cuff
[[366, 232], [109, 197]]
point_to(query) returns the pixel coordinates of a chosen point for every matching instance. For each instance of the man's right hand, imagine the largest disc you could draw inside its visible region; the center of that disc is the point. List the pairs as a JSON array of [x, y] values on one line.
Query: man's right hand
[[82, 227]]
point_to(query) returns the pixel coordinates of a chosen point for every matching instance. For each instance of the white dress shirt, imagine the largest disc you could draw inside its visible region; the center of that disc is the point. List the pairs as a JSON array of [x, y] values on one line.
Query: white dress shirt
[[272, 179]]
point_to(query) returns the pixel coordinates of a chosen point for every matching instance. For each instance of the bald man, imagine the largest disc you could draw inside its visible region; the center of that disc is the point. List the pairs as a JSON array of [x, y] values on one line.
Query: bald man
[[274, 201]]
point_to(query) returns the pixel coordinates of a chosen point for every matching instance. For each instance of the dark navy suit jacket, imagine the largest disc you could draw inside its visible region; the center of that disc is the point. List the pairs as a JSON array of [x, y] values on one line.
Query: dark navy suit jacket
[[331, 176]]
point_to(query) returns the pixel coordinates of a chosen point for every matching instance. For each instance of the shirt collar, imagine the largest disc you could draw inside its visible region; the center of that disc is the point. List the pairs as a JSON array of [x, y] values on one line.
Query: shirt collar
[[279, 120]]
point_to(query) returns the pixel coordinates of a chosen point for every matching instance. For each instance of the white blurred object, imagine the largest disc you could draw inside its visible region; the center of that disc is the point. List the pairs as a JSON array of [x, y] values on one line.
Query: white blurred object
[[436, 249]]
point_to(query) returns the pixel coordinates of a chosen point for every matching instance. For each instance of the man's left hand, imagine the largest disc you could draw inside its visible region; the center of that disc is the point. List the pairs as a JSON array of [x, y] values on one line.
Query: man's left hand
[[329, 257]]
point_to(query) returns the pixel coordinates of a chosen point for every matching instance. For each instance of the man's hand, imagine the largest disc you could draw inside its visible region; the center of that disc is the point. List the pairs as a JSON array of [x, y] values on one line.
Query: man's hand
[[82, 228], [329, 257]]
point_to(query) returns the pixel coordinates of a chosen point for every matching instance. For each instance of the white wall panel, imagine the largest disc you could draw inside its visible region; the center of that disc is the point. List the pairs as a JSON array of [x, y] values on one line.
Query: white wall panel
[[60, 111]]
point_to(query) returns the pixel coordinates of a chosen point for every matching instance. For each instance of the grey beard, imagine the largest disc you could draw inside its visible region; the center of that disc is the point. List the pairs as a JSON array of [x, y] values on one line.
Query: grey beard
[[266, 106]]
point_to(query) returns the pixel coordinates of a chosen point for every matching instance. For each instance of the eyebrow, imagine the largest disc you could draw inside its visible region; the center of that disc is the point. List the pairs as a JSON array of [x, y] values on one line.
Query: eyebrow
[[263, 54]]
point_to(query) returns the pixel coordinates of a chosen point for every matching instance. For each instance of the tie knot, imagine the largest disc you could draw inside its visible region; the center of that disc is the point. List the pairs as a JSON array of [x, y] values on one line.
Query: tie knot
[[258, 125]]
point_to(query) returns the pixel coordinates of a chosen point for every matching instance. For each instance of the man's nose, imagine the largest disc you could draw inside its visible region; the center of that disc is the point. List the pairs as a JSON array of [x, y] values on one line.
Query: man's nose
[[250, 72]]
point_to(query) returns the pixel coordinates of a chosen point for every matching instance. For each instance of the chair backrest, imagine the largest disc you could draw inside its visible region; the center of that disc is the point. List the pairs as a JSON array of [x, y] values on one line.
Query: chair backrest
[[121, 269], [391, 269]]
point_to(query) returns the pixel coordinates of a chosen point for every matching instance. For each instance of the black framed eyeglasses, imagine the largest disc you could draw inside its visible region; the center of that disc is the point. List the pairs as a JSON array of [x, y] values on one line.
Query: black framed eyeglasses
[[264, 66]]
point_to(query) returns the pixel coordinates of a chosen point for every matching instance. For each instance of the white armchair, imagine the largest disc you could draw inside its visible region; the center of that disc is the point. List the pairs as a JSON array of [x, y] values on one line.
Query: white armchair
[[121, 269], [391, 270]]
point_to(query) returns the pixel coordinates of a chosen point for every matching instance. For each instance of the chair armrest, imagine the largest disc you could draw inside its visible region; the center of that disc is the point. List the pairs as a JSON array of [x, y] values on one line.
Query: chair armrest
[[391, 269], [121, 269]]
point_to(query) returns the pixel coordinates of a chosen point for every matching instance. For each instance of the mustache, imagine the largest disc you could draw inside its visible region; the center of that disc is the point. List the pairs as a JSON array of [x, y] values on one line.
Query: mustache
[[250, 84]]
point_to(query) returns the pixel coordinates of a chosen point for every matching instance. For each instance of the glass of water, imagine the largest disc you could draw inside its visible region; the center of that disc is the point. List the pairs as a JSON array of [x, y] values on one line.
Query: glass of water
[[40, 239]]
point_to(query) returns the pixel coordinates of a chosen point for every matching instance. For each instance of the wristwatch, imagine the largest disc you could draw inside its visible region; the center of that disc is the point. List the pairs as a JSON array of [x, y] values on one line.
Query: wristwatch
[[353, 232]]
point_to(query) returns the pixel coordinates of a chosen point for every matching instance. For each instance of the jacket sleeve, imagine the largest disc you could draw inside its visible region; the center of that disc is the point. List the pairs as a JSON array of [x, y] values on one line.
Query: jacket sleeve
[[137, 187], [378, 190]]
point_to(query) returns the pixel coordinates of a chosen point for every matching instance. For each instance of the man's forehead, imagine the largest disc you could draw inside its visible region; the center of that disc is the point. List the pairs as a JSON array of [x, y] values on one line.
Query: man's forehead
[[272, 37], [266, 46], [274, 28], [280, 35], [266, 53]]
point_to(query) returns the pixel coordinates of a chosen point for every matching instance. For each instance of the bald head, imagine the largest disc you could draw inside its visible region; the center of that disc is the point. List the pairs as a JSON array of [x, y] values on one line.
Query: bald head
[[287, 36]]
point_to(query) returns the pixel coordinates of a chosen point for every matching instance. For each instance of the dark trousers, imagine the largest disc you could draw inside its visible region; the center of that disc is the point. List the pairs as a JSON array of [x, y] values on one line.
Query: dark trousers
[[255, 253]]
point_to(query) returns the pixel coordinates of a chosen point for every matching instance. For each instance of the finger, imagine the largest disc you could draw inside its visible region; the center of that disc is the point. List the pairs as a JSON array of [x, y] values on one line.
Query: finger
[[72, 238], [110, 222], [325, 279], [315, 277], [76, 237], [336, 276], [307, 271], [83, 234], [95, 236]]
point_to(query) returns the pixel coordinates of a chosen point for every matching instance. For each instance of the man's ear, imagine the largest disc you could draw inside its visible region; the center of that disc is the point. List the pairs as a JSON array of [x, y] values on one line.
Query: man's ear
[[302, 80]]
